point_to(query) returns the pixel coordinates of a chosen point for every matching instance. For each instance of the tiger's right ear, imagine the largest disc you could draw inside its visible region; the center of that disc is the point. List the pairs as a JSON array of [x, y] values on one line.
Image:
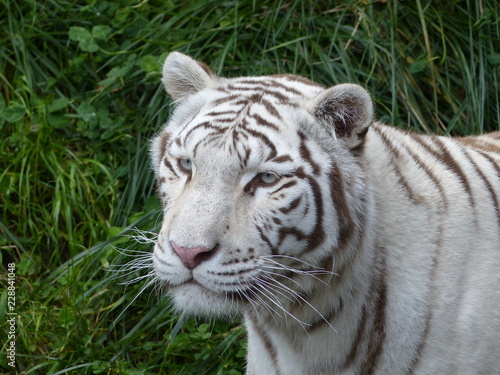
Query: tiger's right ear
[[184, 76], [345, 109]]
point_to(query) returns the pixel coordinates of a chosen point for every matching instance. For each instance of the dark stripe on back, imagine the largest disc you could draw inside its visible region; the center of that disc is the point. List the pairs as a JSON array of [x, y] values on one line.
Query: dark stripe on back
[[480, 143], [294, 78], [494, 163], [488, 184], [424, 167], [454, 166], [396, 154]]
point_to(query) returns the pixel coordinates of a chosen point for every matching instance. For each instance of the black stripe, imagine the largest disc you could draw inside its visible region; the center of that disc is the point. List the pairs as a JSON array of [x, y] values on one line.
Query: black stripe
[[289, 184], [292, 206], [418, 160], [170, 167], [282, 159], [317, 236], [325, 321], [164, 138], [268, 345], [266, 240], [222, 113], [396, 154], [338, 194], [299, 79], [204, 125], [356, 344], [265, 139], [485, 143], [489, 187], [287, 231], [269, 83], [306, 154], [494, 163], [377, 335], [225, 99], [263, 122], [446, 157]]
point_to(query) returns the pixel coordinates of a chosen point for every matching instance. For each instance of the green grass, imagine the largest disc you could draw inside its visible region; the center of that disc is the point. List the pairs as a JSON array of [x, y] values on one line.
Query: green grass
[[80, 98]]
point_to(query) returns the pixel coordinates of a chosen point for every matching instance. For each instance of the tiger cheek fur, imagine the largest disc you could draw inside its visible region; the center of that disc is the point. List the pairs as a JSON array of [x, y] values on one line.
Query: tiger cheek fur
[[350, 247]]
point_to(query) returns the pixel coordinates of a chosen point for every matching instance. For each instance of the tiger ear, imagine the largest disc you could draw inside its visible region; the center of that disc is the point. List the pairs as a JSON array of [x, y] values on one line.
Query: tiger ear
[[346, 109], [184, 76]]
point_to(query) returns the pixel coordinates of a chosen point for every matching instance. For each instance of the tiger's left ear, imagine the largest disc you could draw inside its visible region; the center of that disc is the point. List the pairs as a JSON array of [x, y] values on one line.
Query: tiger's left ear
[[184, 76], [346, 109]]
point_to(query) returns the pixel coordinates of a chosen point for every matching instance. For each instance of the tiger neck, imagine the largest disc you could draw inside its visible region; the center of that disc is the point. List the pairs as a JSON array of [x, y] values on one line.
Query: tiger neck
[[337, 312]]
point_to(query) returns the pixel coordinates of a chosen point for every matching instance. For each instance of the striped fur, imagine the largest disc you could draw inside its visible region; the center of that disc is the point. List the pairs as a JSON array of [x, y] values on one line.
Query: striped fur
[[350, 247]]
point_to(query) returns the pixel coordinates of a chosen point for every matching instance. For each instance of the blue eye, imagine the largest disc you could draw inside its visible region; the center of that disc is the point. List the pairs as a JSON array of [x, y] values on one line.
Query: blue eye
[[268, 178], [186, 164]]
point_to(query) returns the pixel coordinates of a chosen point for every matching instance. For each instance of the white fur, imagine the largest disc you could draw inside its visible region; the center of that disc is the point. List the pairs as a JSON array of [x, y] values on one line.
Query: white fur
[[422, 266]]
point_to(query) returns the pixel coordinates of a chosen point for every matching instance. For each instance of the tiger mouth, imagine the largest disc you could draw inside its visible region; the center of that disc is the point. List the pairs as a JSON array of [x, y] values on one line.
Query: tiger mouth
[[236, 295]]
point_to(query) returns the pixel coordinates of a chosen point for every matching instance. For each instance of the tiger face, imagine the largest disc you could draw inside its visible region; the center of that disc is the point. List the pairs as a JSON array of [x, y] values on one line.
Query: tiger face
[[248, 184]]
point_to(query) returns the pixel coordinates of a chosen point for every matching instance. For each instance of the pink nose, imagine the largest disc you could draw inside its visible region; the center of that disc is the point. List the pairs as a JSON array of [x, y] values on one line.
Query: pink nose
[[192, 256]]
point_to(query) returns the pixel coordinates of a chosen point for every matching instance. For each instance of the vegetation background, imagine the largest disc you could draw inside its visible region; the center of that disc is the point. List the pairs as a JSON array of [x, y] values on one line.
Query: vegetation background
[[80, 98]]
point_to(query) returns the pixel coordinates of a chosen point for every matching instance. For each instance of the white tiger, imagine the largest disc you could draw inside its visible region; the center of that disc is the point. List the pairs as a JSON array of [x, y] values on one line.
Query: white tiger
[[350, 247]]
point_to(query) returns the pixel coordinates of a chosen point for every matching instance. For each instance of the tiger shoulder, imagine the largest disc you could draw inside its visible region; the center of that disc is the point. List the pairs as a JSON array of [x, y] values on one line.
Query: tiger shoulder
[[347, 246]]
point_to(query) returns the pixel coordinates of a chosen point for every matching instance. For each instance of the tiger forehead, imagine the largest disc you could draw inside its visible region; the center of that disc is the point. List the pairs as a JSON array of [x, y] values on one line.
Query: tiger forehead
[[236, 117], [277, 89], [250, 118], [238, 101]]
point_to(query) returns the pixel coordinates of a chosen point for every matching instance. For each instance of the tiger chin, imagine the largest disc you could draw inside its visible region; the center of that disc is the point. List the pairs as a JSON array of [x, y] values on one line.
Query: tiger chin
[[348, 246]]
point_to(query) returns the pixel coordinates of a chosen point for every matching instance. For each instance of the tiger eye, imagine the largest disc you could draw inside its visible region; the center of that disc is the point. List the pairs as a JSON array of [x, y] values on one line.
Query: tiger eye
[[186, 164], [268, 178]]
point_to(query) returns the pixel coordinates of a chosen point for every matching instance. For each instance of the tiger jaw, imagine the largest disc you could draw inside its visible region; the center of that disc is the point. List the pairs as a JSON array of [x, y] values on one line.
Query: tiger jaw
[[236, 281], [193, 297], [224, 286]]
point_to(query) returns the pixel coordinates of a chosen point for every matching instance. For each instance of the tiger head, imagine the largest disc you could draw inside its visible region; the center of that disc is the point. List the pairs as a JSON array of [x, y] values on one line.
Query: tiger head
[[261, 186]]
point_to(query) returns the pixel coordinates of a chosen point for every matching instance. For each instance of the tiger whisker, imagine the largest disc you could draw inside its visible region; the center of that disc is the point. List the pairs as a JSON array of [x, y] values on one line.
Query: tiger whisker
[[313, 269], [147, 285], [136, 264], [272, 298], [138, 278], [264, 303], [270, 257], [313, 273], [297, 296], [279, 286], [284, 276], [264, 287]]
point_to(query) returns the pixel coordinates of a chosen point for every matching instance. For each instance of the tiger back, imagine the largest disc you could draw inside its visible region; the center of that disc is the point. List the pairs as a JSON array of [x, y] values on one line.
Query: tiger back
[[349, 247]]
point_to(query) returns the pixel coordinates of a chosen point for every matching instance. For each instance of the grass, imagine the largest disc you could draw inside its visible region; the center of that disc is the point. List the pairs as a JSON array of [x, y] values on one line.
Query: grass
[[80, 98]]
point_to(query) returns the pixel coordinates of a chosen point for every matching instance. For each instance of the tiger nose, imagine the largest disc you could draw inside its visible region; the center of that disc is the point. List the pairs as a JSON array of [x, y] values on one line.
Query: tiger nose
[[191, 257]]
